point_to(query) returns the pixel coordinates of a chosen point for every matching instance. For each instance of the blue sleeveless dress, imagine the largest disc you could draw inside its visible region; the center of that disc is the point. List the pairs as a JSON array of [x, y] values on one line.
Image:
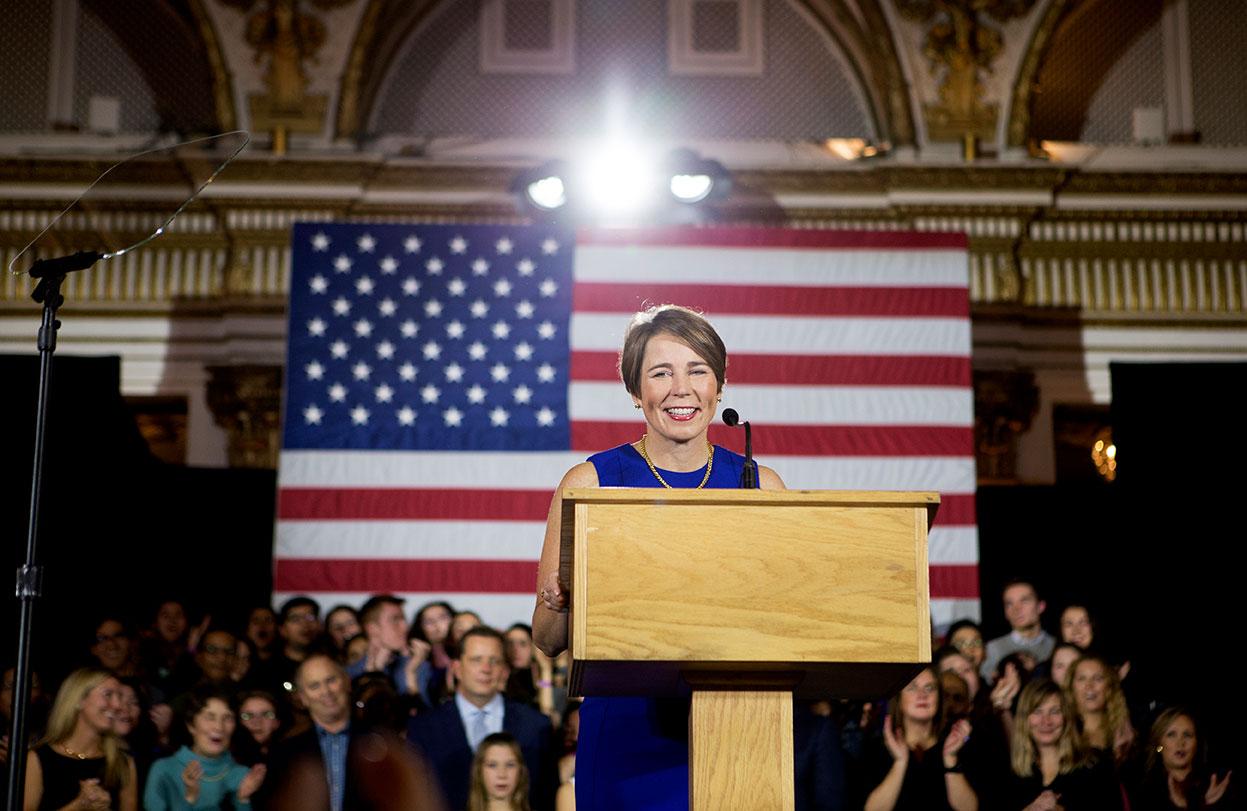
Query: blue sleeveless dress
[[632, 753]]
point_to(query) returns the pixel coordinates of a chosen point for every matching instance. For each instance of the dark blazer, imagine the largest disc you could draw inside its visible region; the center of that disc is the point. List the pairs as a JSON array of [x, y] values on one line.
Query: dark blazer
[[381, 773], [440, 735]]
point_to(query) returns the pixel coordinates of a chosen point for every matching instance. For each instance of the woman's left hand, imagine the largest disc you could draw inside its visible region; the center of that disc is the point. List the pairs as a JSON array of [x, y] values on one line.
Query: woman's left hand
[[1216, 788], [251, 783], [957, 737], [1123, 739], [552, 594]]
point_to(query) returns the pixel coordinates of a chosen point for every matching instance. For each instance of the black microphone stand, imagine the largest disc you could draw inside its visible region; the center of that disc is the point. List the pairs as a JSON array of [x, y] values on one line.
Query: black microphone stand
[[51, 275], [749, 476]]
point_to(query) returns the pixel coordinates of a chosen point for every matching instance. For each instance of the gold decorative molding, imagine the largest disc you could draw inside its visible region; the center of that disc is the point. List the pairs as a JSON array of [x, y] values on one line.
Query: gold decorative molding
[[1005, 403], [1028, 72], [246, 401], [222, 82], [962, 45]]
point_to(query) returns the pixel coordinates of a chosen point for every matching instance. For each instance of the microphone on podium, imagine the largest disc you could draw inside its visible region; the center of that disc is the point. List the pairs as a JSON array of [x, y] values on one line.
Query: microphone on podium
[[748, 476]]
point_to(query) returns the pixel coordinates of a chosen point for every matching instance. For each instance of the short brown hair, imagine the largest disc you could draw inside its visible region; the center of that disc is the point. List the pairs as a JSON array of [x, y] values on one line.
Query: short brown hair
[[687, 325]]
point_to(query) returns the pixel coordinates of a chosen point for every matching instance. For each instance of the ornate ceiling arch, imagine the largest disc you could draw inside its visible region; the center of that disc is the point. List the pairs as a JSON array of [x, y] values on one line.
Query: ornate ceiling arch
[[863, 37]]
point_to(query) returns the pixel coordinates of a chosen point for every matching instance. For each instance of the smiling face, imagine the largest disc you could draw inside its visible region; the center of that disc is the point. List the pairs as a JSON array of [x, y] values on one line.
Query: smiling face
[[679, 391], [920, 700], [131, 710], [100, 708], [1179, 742], [970, 642], [112, 646], [1047, 722], [1061, 661], [1076, 626], [324, 689], [1090, 687], [211, 728], [341, 626], [500, 770], [476, 669]]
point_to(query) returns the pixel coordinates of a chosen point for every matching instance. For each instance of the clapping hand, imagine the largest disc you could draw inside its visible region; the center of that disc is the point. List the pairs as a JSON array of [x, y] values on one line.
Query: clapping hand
[[1216, 788], [957, 737], [191, 776], [91, 797], [895, 741], [251, 783], [1047, 801]]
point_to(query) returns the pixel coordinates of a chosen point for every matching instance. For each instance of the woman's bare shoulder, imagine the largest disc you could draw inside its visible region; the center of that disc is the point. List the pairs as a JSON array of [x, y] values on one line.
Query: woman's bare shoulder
[[581, 475]]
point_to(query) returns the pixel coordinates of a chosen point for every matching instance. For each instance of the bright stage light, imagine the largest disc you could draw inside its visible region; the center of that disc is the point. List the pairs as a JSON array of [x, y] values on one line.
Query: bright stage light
[[619, 180], [547, 193], [691, 188]]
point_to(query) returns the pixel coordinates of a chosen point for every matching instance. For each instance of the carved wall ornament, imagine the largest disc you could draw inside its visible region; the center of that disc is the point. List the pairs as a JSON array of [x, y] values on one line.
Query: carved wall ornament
[[246, 401], [288, 35], [1005, 403], [962, 45]]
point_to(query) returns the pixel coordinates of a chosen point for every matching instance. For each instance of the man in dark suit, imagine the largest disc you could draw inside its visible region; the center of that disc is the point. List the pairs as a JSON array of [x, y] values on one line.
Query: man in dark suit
[[450, 733], [334, 767]]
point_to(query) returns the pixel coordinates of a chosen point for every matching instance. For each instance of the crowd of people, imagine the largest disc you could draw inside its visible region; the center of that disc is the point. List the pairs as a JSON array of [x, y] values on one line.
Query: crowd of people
[[368, 709]]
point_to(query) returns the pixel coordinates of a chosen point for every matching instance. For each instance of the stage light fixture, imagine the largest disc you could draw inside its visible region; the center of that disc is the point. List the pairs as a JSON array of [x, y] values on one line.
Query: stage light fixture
[[547, 193], [691, 188], [619, 180]]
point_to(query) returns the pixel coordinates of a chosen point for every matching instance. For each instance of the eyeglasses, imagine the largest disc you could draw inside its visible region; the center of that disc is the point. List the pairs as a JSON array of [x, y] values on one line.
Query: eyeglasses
[[968, 644], [109, 637], [267, 715], [215, 649], [304, 618]]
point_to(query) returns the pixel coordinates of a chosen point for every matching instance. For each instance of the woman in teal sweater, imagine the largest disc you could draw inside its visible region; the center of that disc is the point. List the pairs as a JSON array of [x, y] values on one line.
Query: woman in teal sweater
[[203, 775]]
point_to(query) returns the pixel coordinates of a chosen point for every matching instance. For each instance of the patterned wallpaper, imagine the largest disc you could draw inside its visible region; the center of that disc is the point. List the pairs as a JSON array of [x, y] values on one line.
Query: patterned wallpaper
[[1219, 70], [1136, 79], [24, 40], [436, 87], [104, 68]]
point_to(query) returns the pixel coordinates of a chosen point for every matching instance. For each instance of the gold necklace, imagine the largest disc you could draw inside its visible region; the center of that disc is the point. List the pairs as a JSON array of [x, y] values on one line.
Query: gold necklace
[[662, 481], [72, 753]]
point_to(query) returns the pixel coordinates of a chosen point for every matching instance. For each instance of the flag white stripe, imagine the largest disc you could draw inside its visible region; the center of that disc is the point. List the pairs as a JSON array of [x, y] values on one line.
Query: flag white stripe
[[495, 609], [603, 332], [501, 610], [804, 405], [470, 470], [398, 540], [664, 264], [494, 540]]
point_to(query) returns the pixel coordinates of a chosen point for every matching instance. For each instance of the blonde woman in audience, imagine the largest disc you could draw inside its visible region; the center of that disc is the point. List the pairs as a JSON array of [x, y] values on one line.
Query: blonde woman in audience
[[80, 762], [1050, 770], [1103, 721], [499, 776]]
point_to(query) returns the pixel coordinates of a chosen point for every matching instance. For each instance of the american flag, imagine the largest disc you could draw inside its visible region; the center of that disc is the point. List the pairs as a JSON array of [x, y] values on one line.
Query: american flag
[[442, 378]]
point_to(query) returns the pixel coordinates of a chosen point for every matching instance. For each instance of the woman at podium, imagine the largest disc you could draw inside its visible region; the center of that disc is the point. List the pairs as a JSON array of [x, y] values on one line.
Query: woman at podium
[[633, 752]]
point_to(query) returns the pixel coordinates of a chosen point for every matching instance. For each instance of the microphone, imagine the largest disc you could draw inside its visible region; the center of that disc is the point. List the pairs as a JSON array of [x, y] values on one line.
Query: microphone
[[748, 476]]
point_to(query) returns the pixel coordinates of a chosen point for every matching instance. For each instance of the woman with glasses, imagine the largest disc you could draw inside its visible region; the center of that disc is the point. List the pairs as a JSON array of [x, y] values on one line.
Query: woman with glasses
[[917, 765], [257, 728]]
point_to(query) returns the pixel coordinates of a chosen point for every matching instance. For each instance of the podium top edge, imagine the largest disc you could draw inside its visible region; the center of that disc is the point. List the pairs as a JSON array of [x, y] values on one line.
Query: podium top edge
[[831, 498]]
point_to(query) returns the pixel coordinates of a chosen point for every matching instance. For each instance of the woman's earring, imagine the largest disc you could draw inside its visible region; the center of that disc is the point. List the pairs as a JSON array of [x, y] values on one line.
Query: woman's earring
[[1160, 749], [636, 405]]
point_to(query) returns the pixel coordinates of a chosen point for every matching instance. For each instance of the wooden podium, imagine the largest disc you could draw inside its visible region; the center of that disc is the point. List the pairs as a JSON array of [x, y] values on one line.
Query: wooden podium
[[746, 597]]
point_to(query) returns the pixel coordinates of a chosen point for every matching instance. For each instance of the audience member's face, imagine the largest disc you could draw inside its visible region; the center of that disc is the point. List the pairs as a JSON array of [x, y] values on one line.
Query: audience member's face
[[6, 694], [216, 655], [100, 707], [301, 626], [171, 621], [500, 769], [1076, 626], [356, 649], [1179, 742], [260, 719], [390, 628], [970, 642], [435, 623], [325, 691], [1047, 722], [1022, 607], [131, 711], [960, 665], [212, 728], [262, 627], [341, 626], [242, 661], [463, 623], [1090, 687], [920, 698], [571, 729], [476, 669], [519, 648], [956, 694], [112, 646], [1061, 660]]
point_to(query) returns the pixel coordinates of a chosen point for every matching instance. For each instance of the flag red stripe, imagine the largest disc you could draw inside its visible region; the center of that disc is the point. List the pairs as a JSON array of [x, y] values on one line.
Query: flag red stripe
[[417, 504], [803, 440], [809, 370], [410, 504], [745, 237], [487, 576], [381, 576], [955, 581], [607, 297]]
